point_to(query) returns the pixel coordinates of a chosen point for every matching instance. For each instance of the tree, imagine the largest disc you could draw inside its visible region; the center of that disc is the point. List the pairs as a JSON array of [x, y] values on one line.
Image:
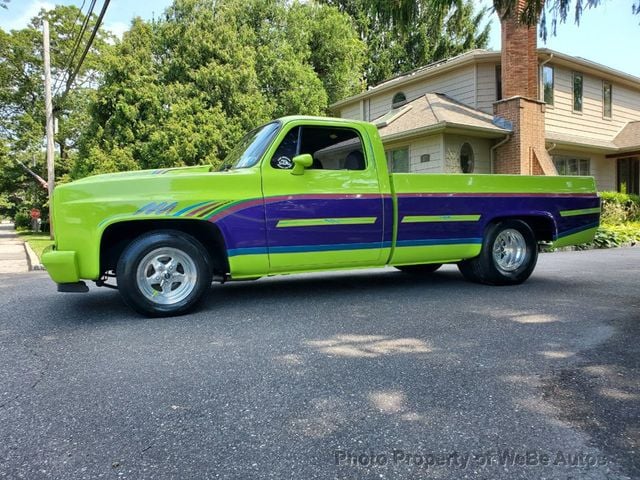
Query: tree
[[183, 89], [22, 118], [406, 34], [537, 11]]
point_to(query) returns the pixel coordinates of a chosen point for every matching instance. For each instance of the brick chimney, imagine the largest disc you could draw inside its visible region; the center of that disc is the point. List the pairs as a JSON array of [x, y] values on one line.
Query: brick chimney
[[525, 152]]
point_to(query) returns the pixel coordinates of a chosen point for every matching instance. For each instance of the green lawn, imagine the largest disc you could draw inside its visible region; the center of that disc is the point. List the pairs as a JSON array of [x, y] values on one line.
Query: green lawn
[[37, 241]]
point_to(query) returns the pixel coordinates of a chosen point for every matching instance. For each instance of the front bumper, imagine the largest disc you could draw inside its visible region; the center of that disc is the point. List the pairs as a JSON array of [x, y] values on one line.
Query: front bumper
[[62, 266]]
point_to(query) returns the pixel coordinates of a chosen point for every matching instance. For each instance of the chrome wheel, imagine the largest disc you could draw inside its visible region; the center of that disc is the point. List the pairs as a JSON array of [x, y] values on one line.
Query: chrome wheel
[[509, 250], [166, 276]]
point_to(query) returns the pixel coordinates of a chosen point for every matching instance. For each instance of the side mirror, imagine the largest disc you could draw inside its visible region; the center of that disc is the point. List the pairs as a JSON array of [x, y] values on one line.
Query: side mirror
[[300, 162]]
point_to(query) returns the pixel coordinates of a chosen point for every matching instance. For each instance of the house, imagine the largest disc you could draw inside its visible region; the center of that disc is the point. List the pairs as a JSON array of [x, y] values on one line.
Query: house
[[524, 110]]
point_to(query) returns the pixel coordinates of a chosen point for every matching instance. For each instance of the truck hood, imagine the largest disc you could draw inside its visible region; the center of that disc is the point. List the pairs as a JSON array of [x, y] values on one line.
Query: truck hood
[[146, 173]]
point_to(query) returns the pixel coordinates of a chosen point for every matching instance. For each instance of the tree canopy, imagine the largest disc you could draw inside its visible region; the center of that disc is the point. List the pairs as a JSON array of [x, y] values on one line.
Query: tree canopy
[[22, 118], [405, 34], [182, 89]]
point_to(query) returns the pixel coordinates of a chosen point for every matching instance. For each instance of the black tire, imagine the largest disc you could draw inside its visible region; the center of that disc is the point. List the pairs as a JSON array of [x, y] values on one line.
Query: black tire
[[487, 269], [183, 255], [419, 269]]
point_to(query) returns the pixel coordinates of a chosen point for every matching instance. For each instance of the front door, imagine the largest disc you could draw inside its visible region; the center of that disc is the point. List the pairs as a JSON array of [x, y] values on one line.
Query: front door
[[331, 216], [629, 175]]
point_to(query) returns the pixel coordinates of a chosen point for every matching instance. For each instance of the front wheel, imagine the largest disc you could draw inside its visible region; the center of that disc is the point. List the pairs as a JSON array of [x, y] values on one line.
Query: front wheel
[[508, 256], [163, 273]]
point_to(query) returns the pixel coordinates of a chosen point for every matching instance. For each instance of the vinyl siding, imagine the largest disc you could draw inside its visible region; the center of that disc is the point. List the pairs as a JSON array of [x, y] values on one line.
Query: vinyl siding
[[352, 111], [602, 169], [486, 87], [459, 85], [560, 117], [428, 145], [481, 153]]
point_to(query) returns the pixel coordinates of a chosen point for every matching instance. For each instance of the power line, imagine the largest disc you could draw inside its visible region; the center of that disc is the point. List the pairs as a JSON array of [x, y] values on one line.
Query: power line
[[96, 27], [76, 44], [59, 80]]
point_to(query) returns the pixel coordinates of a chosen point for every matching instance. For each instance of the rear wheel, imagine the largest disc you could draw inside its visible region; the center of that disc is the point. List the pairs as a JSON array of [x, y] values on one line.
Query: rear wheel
[[419, 269], [508, 256], [163, 273]]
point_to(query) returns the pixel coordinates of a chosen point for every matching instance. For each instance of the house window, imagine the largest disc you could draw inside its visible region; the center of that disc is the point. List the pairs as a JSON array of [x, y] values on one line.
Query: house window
[[498, 82], [466, 158], [547, 84], [577, 92], [398, 160], [629, 175], [399, 99], [607, 90], [572, 165]]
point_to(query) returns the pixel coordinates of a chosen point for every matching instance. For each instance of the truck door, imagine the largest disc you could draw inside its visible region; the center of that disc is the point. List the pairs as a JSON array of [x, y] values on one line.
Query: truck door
[[331, 216]]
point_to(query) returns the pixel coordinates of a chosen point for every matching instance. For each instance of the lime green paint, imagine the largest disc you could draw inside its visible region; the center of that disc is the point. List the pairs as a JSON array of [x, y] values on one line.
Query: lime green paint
[[459, 183], [434, 253], [583, 211], [61, 266], [585, 236], [84, 209], [249, 266], [311, 222], [439, 218]]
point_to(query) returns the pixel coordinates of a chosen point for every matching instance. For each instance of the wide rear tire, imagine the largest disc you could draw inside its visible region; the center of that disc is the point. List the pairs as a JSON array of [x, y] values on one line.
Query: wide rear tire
[[163, 273], [508, 257]]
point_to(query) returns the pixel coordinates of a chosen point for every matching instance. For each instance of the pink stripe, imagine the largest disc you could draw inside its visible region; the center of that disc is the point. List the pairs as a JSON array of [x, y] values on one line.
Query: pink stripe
[[204, 207], [445, 195]]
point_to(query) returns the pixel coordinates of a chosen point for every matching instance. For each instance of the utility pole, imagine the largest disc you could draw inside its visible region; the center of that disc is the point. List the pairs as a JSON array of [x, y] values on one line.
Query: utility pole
[[49, 113]]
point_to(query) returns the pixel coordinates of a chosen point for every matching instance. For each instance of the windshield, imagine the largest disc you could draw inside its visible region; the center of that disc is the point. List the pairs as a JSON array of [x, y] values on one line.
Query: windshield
[[249, 150]]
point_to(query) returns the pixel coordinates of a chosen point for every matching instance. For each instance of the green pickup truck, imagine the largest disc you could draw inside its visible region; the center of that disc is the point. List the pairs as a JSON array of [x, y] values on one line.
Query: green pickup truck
[[304, 194]]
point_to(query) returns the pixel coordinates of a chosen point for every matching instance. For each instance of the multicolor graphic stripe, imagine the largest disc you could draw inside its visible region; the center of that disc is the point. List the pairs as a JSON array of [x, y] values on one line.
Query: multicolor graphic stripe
[[333, 222]]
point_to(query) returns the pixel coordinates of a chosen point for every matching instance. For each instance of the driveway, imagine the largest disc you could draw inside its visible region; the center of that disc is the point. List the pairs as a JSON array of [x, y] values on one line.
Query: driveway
[[361, 374]]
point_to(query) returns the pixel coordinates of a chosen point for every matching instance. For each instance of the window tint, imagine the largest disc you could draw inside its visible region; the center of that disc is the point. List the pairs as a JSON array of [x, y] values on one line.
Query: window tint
[[577, 92], [547, 84], [331, 148], [607, 91]]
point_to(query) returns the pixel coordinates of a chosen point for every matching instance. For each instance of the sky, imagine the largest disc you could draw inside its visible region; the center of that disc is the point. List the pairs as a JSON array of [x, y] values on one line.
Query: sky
[[606, 35]]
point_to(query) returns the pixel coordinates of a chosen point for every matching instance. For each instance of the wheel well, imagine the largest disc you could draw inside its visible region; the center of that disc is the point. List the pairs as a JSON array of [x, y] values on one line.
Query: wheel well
[[543, 227], [117, 236]]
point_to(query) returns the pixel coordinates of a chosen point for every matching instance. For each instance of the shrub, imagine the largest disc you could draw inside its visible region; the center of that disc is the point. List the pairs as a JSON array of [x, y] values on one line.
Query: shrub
[[22, 220], [608, 236], [619, 208]]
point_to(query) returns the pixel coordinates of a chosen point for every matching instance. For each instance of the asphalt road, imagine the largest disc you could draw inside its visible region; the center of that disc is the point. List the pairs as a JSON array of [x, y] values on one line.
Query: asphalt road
[[364, 374]]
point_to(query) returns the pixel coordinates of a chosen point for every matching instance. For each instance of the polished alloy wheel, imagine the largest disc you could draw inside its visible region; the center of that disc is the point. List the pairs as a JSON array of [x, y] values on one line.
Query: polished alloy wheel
[[509, 250], [166, 276]]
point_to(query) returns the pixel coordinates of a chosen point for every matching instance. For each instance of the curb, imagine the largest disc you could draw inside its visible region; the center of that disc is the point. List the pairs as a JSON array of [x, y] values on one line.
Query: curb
[[32, 259]]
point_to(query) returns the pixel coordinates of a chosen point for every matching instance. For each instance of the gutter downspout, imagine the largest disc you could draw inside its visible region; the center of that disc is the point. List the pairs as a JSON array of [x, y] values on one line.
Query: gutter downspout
[[493, 150]]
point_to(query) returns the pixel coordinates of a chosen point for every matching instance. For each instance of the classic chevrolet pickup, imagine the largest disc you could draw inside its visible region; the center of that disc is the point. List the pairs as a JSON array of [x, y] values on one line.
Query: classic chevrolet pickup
[[304, 194]]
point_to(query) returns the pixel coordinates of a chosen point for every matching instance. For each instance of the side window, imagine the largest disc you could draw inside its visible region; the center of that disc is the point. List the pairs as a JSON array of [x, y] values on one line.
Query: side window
[[331, 148], [283, 157]]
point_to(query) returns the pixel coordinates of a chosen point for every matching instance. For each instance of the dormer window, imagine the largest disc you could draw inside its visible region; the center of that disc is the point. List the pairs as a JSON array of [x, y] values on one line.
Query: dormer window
[[399, 99]]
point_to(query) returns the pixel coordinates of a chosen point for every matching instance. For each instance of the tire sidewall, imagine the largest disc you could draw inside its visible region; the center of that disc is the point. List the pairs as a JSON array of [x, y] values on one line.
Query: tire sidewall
[[126, 271], [491, 272]]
